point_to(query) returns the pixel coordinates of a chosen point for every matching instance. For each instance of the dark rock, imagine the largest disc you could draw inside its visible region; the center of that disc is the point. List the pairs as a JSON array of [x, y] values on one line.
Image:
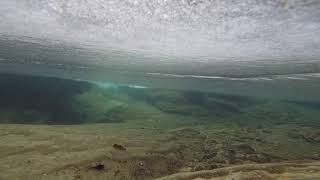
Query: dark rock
[[209, 156], [309, 135], [119, 147], [97, 166], [312, 137], [260, 158], [77, 177]]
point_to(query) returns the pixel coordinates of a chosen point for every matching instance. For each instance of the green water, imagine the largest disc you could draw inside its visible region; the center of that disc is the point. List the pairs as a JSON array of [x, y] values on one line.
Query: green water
[[40, 100]]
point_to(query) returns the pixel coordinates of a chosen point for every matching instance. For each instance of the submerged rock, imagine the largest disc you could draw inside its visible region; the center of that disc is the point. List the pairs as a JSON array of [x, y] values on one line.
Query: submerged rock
[[175, 102], [97, 106], [313, 137], [97, 167], [308, 134], [119, 147], [191, 102]]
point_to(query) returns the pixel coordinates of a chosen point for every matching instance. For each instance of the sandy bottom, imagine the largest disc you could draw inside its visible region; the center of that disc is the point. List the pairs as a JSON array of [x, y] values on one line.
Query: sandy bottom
[[123, 151]]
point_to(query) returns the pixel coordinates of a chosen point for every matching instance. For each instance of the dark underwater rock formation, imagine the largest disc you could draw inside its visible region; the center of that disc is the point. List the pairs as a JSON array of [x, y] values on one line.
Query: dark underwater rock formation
[[40, 100], [95, 106], [192, 103], [310, 135]]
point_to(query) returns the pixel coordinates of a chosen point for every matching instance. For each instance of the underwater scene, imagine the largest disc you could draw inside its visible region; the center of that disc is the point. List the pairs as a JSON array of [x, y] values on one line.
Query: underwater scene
[[159, 89], [55, 128]]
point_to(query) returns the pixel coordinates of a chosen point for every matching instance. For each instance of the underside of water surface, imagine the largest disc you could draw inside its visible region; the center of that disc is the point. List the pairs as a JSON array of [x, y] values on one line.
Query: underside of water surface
[[159, 89]]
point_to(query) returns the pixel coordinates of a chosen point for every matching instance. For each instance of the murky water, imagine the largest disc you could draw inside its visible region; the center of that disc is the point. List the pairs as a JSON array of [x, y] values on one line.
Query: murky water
[[159, 89]]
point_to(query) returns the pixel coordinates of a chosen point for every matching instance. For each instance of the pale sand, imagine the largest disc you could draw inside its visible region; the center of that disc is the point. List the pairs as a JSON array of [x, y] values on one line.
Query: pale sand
[[282, 171], [72, 152]]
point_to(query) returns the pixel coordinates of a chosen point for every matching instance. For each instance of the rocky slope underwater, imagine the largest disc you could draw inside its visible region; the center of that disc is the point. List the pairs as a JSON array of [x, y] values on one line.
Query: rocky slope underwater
[[64, 129]]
